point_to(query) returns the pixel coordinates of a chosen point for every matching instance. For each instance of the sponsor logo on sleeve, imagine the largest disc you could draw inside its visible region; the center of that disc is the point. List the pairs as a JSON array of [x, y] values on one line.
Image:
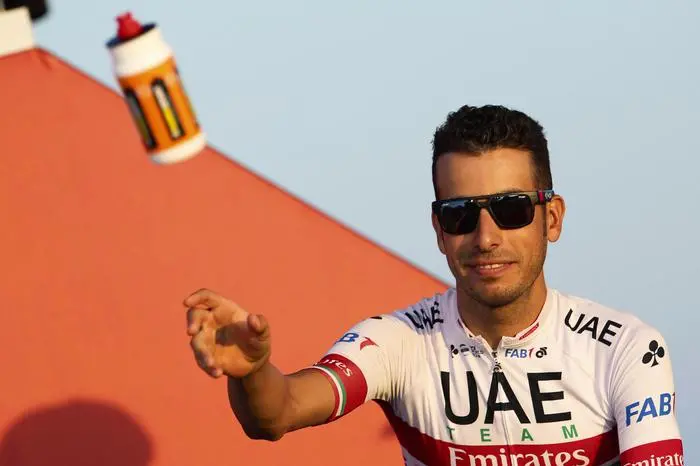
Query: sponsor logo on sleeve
[[367, 342], [650, 408], [355, 337], [665, 460], [348, 382], [655, 353], [349, 338], [425, 320], [662, 453]]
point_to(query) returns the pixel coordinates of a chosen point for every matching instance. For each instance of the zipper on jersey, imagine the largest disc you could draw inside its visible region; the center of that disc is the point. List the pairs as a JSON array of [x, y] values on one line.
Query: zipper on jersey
[[497, 367], [496, 363]]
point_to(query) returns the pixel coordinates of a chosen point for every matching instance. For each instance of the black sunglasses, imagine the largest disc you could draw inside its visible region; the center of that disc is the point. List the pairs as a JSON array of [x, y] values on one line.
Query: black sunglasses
[[509, 211]]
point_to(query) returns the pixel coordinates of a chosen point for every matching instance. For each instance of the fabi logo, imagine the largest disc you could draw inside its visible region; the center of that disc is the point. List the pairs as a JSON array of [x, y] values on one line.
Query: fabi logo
[[349, 338], [353, 337], [367, 342], [651, 407], [523, 353]]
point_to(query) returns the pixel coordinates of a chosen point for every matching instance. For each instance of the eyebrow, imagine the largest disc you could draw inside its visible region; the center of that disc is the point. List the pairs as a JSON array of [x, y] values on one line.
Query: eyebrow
[[501, 191], [512, 190]]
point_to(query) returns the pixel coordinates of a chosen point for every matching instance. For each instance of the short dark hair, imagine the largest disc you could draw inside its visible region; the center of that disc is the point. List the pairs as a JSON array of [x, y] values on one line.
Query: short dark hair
[[475, 130]]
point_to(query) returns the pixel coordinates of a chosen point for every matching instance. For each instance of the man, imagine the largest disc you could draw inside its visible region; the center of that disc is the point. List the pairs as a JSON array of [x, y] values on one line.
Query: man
[[499, 370]]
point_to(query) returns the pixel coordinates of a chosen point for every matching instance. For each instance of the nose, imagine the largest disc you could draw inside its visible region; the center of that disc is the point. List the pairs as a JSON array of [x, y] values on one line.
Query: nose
[[487, 236]]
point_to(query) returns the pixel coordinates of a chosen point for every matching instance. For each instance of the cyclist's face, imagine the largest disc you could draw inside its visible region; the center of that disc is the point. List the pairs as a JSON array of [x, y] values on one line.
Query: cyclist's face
[[517, 255]]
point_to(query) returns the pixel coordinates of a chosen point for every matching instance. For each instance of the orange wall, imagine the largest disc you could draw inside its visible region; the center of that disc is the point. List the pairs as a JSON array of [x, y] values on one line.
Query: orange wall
[[99, 247]]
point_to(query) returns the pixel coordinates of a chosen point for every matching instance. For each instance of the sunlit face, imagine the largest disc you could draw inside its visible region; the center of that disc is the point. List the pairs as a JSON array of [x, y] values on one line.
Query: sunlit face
[[493, 266]]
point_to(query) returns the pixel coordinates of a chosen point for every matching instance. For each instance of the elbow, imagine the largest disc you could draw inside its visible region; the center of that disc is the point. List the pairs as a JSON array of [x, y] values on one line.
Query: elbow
[[268, 434]]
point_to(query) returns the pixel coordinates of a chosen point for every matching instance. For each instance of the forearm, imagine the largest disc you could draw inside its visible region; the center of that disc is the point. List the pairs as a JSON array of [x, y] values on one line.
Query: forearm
[[260, 402]]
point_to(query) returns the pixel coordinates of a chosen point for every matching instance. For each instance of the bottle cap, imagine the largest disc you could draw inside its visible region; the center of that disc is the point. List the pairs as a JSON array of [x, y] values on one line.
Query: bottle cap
[[128, 27]]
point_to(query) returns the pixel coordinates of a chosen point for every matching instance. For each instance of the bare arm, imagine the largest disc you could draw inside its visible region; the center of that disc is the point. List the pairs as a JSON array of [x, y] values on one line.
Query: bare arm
[[269, 404], [228, 341]]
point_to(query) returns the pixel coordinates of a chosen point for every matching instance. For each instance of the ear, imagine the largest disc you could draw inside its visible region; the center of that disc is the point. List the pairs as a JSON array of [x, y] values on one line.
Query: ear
[[555, 210], [439, 233]]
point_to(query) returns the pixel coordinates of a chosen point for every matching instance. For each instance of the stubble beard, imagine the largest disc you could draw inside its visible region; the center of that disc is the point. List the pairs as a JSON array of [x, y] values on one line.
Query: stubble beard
[[502, 296]]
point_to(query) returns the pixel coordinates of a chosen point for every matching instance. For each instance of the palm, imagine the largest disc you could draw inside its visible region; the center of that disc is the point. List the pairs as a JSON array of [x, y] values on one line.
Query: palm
[[236, 347], [226, 339]]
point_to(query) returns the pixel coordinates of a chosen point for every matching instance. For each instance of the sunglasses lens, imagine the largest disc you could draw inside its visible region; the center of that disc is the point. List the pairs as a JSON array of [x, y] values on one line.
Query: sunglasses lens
[[513, 211], [459, 218]]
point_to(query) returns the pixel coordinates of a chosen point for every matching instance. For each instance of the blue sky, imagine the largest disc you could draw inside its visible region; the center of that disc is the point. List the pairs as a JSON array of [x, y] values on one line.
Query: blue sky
[[337, 103]]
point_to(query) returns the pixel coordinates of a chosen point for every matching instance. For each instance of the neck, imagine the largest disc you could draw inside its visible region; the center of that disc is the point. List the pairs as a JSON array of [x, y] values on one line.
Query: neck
[[494, 323]]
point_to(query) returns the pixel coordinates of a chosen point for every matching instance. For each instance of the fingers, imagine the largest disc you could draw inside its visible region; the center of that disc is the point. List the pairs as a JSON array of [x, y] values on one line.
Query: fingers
[[258, 324], [203, 298], [202, 347], [199, 304], [196, 319], [202, 351], [260, 330]]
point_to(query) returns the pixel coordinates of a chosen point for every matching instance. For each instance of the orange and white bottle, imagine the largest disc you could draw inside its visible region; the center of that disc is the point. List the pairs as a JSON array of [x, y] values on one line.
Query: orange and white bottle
[[148, 76]]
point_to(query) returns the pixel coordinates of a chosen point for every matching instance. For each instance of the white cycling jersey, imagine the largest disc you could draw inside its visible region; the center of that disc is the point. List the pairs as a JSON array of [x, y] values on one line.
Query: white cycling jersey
[[583, 385]]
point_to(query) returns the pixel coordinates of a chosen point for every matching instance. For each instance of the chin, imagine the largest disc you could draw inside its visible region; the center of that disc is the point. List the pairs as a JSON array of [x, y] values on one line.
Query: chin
[[494, 301], [494, 296]]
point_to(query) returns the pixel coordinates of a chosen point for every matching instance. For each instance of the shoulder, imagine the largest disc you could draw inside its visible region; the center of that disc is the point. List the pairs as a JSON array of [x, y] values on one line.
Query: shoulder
[[607, 327], [423, 316], [428, 315]]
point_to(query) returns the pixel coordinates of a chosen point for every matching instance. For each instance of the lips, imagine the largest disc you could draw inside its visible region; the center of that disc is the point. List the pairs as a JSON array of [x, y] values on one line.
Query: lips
[[490, 269], [490, 266]]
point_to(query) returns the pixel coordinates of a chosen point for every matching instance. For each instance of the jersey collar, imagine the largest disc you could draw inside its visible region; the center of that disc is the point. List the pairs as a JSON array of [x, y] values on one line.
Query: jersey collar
[[524, 337]]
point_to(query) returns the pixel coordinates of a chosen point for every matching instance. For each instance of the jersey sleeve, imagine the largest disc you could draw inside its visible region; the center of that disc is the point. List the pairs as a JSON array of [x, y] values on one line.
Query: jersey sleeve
[[370, 361], [643, 398]]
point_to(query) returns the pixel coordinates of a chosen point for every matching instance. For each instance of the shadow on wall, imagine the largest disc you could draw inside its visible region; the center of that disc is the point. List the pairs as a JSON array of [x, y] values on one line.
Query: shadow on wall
[[76, 433]]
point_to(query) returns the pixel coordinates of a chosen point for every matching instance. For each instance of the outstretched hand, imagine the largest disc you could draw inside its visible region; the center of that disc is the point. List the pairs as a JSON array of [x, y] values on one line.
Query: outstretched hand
[[226, 340]]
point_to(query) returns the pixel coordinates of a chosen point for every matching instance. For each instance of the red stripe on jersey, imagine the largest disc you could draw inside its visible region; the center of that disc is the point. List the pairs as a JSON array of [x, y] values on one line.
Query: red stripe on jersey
[[352, 380], [665, 452], [529, 332], [592, 451]]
